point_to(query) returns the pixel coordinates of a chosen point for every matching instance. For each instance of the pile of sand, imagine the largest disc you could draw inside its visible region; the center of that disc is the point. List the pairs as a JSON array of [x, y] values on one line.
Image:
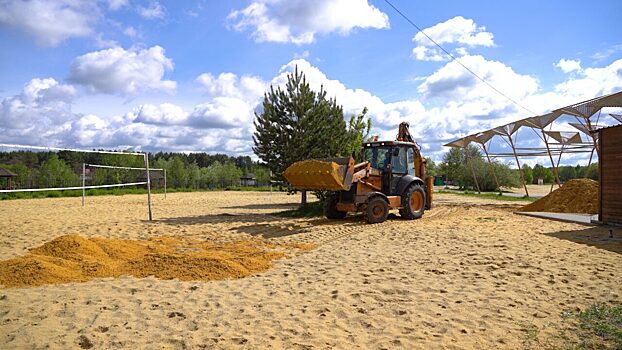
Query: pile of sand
[[72, 258], [575, 196]]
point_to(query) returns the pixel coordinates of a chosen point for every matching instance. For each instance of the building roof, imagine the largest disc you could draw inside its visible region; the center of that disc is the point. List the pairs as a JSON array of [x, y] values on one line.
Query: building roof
[[6, 173], [607, 127]]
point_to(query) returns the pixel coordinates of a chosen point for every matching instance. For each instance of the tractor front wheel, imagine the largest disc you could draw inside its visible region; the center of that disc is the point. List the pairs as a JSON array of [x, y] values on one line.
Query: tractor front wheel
[[330, 208], [377, 210], [413, 202]]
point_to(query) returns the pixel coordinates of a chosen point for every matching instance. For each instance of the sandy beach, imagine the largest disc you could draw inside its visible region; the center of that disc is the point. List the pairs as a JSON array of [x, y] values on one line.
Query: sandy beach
[[468, 275]]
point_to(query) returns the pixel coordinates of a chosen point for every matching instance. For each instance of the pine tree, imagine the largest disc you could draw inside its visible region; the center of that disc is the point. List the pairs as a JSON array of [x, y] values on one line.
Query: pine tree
[[298, 123]]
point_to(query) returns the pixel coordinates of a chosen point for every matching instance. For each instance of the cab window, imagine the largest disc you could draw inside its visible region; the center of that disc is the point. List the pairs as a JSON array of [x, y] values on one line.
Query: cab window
[[411, 161], [378, 157], [399, 161]]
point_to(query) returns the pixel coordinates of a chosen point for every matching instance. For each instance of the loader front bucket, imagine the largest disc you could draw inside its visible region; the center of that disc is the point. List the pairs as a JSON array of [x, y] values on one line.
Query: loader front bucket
[[332, 174]]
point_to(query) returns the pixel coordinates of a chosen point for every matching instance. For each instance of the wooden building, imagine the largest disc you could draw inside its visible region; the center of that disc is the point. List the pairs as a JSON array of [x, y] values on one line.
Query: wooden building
[[156, 178], [249, 180], [610, 171], [8, 175]]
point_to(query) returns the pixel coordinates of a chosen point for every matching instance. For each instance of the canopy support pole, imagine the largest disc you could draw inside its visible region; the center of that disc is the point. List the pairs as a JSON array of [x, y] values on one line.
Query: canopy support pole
[[492, 167], [587, 170], [548, 150], [520, 170], [466, 151]]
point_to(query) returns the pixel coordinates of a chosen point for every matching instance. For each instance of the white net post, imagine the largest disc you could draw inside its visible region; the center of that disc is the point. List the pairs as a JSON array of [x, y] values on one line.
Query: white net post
[[148, 185], [83, 182], [164, 183]]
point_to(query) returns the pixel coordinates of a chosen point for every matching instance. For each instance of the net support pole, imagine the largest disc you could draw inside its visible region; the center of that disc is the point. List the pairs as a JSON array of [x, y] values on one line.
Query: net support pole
[[164, 183], [492, 167], [83, 182], [520, 170], [548, 150], [148, 185], [466, 151]]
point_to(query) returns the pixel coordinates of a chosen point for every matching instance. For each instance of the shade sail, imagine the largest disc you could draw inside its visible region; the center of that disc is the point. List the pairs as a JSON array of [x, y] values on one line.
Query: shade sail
[[583, 110], [540, 121], [584, 129], [587, 108], [507, 129], [483, 137], [460, 143], [617, 117], [565, 137]]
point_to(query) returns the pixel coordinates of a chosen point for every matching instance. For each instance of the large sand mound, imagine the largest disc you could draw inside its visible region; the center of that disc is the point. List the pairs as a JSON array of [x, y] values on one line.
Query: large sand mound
[[74, 258], [575, 196]]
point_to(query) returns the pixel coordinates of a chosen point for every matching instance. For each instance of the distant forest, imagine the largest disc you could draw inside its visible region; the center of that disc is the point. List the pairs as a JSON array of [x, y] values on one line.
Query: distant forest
[[184, 171]]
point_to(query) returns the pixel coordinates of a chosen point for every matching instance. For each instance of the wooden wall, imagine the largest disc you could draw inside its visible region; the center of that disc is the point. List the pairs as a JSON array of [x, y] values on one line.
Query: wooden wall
[[610, 168]]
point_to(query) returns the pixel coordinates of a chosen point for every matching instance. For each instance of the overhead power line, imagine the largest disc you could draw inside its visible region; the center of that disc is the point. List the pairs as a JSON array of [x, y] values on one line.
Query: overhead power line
[[453, 58]]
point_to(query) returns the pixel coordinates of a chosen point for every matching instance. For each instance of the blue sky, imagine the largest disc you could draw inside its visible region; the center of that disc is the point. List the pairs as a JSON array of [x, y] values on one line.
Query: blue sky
[[187, 76]]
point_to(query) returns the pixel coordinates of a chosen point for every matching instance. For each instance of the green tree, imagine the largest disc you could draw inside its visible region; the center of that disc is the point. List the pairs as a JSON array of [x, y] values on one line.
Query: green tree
[[456, 168], [298, 123], [262, 174], [358, 132], [567, 173], [430, 167], [528, 173], [177, 174], [56, 173], [541, 172]]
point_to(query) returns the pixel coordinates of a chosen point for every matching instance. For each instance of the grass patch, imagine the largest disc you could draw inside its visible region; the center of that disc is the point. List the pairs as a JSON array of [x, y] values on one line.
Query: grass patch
[[309, 210], [599, 326], [489, 195]]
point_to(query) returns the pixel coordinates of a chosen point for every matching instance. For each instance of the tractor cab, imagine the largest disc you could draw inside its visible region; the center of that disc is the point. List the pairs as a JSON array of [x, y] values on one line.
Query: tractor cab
[[395, 160]]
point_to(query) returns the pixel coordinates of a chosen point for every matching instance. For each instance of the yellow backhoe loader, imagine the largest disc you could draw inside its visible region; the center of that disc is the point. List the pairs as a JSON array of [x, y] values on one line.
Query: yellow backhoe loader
[[393, 176]]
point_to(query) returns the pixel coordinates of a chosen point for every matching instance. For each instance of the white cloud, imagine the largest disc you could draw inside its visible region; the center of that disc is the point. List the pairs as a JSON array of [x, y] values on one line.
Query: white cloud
[[458, 31], [423, 53], [229, 85], [154, 11], [114, 5], [449, 103], [40, 110], [50, 22], [298, 21], [131, 32], [164, 114], [568, 66], [124, 72], [601, 55]]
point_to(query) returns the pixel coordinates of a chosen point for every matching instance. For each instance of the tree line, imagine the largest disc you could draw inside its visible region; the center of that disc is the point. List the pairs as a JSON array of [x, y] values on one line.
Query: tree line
[[184, 171]]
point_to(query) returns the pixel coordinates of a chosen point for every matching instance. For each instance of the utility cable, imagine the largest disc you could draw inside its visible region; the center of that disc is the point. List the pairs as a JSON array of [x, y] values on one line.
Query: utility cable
[[453, 58]]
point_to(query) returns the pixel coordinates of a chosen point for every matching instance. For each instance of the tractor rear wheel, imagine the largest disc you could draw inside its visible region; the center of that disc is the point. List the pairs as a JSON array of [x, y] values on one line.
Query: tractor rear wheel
[[413, 202], [377, 210], [330, 208]]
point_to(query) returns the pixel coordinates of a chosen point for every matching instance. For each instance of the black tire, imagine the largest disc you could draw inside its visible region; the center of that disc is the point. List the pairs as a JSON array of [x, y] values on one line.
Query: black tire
[[377, 210], [330, 208], [413, 202]]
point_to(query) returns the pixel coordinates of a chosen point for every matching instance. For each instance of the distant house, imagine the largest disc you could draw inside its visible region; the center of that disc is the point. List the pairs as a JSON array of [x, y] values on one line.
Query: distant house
[[8, 175], [539, 181], [156, 178], [248, 180]]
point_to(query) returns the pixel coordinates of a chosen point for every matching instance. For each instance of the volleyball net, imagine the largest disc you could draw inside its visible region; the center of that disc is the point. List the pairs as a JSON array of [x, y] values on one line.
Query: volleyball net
[[53, 167]]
